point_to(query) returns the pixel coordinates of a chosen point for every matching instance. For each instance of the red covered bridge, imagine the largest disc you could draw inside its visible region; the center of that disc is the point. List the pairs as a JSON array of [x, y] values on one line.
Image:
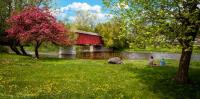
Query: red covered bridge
[[88, 38], [84, 39]]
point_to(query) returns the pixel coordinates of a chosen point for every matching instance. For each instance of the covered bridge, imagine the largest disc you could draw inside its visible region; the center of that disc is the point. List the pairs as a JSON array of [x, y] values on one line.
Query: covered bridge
[[90, 42], [88, 38]]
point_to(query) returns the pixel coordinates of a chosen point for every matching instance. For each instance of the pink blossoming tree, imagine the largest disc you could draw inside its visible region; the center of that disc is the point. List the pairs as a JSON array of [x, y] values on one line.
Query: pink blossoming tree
[[35, 25]]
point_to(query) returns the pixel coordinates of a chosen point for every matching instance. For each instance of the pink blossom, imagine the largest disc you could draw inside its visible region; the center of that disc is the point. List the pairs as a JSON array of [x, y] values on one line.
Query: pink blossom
[[35, 24]]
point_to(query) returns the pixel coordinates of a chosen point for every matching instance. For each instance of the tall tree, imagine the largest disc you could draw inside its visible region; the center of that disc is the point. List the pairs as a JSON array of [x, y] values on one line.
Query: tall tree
[[112, 34], [35, 25], [85, 20], [6, 8], [177, 19]]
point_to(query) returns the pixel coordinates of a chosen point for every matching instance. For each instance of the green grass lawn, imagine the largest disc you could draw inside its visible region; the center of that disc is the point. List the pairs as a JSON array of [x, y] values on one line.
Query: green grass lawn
[[25, 77]]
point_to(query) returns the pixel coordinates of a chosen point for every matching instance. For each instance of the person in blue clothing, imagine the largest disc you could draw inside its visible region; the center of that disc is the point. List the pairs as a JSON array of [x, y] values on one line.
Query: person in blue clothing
[[162, 62]]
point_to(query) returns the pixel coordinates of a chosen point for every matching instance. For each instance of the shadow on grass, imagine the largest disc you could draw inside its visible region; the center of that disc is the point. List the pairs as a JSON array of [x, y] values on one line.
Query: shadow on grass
[[159, 81], [52, 59]]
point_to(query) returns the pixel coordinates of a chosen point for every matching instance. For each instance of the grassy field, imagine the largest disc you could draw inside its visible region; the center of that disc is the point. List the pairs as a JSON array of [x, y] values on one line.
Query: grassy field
[[25, 77]]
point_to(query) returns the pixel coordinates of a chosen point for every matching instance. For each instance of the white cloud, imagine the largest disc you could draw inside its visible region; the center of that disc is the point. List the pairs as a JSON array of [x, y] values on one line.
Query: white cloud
[[103, 16], [72, 18], [58, 14], [63, 12], [81, 6]]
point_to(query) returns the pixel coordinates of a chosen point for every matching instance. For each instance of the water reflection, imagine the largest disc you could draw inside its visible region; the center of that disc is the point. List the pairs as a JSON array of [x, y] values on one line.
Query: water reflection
[[93, 55]]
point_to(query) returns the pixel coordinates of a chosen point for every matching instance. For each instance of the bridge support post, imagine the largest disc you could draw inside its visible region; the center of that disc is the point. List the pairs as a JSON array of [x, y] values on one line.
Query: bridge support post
[[67, 52], [91, 48]]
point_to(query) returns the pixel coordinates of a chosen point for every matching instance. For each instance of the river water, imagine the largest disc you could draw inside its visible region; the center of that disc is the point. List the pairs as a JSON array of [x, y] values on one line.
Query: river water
[[127, 55]]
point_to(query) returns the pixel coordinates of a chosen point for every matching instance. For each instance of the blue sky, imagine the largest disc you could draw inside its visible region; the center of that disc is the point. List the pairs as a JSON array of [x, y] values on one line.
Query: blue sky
[[63, 9], [62, 3]]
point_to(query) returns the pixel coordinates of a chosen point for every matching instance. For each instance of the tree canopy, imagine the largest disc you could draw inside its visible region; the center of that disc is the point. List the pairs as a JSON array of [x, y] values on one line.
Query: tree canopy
[[85, 21], [6, 8], [112, 34], [162, 20], [35, 25]]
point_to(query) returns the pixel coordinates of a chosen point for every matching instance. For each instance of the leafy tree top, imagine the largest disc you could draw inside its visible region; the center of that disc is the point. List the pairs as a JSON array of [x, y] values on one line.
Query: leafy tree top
[[176, 19], [33, 24]]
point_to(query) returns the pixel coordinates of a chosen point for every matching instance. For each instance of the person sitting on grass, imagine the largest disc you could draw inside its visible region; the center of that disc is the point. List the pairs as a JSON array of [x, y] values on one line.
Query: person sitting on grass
[[162, 62], [152, 61]]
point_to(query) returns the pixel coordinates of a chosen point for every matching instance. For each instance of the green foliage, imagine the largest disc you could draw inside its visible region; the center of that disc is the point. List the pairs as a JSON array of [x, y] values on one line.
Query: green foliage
[[85, 21], [158, 22], [25, 77], [111, 32], [4, 14]]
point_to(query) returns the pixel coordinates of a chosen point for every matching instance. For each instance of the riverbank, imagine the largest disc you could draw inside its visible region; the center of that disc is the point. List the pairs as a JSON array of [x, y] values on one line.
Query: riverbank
[[124, 55], [196, 50], [47, 47], [26, 77]]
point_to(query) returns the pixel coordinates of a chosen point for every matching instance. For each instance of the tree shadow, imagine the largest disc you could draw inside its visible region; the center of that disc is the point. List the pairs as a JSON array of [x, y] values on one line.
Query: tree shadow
[[160, 81]]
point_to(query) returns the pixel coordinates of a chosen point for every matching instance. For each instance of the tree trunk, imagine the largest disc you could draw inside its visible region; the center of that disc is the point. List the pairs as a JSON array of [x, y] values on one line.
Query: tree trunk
[[13, 46], [36, 53], [36, 49], [182, 74], [23, 51], [14, 49]]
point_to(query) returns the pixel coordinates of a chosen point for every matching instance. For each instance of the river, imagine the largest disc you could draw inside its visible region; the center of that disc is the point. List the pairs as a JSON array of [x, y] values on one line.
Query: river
[[127, 55]]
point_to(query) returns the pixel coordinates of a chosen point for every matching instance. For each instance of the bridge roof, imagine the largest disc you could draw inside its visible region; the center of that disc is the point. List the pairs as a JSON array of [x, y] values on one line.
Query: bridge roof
[[88, 38], [89, 33]]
